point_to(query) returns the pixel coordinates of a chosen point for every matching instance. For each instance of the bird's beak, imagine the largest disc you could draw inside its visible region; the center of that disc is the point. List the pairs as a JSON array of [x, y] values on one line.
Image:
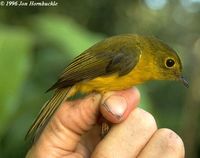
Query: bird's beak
[[184, 81]]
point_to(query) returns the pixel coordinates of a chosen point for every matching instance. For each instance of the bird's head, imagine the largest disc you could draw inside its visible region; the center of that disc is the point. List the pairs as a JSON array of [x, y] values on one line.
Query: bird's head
[[164, 63]]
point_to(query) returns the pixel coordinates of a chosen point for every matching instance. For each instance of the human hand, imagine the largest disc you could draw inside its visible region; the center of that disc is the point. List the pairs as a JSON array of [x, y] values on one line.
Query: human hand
[[73, 131]]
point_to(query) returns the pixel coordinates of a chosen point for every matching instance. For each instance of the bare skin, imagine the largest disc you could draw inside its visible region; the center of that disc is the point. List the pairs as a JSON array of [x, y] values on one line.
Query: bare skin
[[73, 131]]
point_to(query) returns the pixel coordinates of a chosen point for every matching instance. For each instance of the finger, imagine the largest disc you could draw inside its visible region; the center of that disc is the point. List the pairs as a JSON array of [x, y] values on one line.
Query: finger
[[166, 144], [128, 138], [70, 121], [116, 106]]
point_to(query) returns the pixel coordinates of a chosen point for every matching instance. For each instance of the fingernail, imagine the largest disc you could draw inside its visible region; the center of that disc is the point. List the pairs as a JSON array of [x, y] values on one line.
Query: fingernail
[[116, 105]]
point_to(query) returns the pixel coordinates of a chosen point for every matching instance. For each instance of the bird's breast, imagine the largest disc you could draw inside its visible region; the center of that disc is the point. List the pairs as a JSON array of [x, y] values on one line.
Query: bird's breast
[[109, 83]]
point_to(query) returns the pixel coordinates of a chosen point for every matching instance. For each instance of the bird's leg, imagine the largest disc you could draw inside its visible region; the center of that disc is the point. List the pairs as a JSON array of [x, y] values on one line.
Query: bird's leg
[[105, 127], [105, 124]]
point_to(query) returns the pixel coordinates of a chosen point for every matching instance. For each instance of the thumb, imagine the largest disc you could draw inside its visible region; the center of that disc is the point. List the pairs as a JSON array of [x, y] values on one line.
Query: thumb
[[116, 106]]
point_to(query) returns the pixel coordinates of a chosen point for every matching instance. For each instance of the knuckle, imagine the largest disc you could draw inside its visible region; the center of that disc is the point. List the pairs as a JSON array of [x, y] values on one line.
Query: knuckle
[[145, 119], [171, 141]]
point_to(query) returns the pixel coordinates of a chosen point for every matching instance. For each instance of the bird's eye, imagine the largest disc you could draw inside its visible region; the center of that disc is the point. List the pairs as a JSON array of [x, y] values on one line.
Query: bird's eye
[[170, 63]]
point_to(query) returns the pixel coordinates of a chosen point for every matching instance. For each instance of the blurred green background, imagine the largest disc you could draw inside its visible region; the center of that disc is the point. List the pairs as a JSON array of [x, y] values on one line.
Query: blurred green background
[[36, 43]]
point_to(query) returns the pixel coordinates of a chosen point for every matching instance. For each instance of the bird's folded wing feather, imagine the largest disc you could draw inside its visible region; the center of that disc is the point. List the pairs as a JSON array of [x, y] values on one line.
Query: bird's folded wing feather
[[89, 65]]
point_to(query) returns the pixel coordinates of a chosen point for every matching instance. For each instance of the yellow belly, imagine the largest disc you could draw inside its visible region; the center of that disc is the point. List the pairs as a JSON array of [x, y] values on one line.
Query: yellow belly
[[109, 83]]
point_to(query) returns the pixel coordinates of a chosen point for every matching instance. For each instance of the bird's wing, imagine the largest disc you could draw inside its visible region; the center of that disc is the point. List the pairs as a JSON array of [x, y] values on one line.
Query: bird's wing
[[92, 64]]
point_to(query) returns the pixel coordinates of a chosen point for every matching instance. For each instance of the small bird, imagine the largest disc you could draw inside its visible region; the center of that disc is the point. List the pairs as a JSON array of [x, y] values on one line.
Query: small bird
[[116, 63]]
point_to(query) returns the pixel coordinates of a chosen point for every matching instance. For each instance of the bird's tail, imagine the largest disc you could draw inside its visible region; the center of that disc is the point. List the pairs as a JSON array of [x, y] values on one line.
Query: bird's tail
[[47, 111]]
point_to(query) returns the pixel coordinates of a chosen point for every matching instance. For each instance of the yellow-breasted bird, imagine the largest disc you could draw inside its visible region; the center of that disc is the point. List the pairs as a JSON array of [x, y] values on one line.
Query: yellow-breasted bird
[[116, 63]]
